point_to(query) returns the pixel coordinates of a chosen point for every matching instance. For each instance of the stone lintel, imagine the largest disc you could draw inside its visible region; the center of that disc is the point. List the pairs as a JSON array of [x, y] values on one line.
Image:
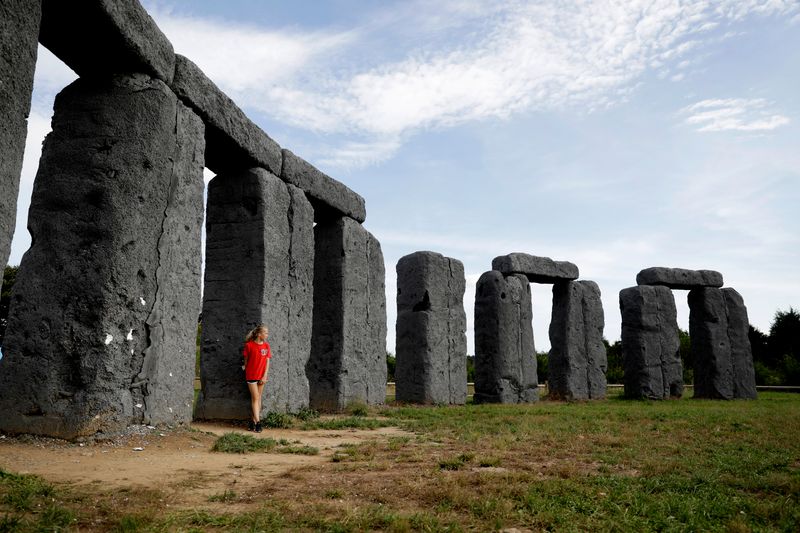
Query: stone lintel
[[101, 37], [329, 197], [233, 142], [679, 278], [536, 269]]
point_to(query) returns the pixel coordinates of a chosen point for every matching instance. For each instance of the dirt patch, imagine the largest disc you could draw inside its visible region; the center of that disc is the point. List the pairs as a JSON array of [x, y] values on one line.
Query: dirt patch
[[179, 462]]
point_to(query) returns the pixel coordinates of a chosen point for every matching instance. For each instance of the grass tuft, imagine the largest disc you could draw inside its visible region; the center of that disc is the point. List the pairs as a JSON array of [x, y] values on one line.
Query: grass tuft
[[241, 443], [278, 421]]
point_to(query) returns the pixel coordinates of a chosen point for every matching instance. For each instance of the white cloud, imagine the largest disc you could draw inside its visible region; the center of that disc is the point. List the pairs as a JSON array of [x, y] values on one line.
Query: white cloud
[[458, 61], [733, 114]]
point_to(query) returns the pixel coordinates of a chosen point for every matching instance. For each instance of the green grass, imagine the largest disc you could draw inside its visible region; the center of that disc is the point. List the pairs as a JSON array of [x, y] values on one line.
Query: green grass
[[350, 422], [614, 465], [241, 443]]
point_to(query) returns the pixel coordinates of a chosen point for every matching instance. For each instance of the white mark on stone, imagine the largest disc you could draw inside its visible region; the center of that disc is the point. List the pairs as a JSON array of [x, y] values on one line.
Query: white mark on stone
[[141, 300], [131, 351], [130, 335], [138, 449], [109, 338], [170, 374], [170, 409], [138, 405]]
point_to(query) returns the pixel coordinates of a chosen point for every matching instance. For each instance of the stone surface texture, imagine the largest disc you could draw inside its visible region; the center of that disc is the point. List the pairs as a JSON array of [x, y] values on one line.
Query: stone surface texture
[[505, 357], [577, 359], [431, 327], [102, 324], [348, 346], [331, 199], [97, 38], [723, 360], [744, 377], [679, 278], [233, 142], [259, 270], [537, 269], [19, 31], [650, 343]]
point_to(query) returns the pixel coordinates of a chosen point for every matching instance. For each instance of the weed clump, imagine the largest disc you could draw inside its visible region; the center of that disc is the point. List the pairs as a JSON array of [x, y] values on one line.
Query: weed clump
[[239, 443]]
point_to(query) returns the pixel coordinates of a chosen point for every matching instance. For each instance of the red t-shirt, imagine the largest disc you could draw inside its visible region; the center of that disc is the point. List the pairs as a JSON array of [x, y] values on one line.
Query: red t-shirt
[[255, 360]]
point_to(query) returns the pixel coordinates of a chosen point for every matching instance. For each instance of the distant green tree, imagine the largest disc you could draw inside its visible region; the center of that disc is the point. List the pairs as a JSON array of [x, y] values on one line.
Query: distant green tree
[[470, 369], [542, 359], [685, 351], [615, 371], [391, 364], [784, 345], [9, 277]]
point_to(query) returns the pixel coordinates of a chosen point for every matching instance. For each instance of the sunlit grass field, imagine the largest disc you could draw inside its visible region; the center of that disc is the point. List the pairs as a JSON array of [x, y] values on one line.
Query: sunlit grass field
[[613, 465]]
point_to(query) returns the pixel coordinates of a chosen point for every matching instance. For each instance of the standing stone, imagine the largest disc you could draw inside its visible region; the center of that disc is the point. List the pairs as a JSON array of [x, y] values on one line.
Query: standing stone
[[19, 31], [431, 325], [505, 357], [744, 376], [103, 321], [650, 343], [348, 344], [259, 270], [710, 347], [577, 359]]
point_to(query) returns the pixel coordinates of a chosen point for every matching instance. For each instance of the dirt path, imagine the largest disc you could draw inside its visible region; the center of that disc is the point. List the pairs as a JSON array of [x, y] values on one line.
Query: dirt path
[[178, 460]]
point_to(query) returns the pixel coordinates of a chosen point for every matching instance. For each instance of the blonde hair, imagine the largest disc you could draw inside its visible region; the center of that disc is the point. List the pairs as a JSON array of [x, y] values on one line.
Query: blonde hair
[[253, 333]]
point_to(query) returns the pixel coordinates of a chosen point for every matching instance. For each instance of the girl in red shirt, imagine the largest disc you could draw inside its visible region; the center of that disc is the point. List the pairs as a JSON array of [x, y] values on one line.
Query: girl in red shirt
[[256, 355]]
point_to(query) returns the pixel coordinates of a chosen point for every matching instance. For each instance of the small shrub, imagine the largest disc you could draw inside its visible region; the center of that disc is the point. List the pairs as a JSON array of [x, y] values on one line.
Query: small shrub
[[240, 443], [278, 421], [299, 450], [21, 490], [306, 413], [224, 497], [358, 408]]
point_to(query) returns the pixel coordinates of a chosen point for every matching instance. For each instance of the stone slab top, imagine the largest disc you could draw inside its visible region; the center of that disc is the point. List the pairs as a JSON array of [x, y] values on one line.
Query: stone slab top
[[679, 278], [328, 196], [536, 269], [101, 37]]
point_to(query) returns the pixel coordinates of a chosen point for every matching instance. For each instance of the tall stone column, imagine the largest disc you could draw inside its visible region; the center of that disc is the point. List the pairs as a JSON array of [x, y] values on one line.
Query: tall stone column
[[102, 325], [505, 357], [348, 346], [259, 270], [19, 32], [431, 324], [723, 359], [650, 343], [577, 360]]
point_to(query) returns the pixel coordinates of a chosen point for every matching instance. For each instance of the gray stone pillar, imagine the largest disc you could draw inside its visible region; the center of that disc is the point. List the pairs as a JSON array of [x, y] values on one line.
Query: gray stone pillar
[[259, 270], [650, 343], [102, 326], [431, 326], [723, 360], [744, 376], [577, 360], [348, 345], [505, 357], [19, 31]]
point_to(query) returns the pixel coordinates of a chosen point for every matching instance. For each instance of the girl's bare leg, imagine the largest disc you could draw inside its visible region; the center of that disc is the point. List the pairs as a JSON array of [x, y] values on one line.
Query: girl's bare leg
[[255, 399], [260, 392]]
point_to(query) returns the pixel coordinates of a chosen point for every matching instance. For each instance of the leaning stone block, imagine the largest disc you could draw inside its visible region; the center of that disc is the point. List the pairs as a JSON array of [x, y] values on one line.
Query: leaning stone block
[[431, 325], [537, 269], [19, 31], [348, 343], [711, 349], [679, 278], [233, 142], [259, 270], [109, 293], [505, 357], [650, 343], [744, 377], [331, 199], [577, 358], [103, 37]]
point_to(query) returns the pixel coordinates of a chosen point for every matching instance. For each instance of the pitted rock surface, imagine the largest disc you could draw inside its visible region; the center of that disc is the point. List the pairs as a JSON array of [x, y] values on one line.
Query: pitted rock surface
[[331, 199], [577, 359], [233, 142], [536, 269], [505, 357], [679, 278], [109, 292], [19, 31], [105, 37], [348, 344], [744, 377], [650, 343], [259, 270], [431, 324]]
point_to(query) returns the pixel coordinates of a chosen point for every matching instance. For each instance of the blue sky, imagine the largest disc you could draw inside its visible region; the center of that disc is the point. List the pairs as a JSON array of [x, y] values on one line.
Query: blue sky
[[617, 135]]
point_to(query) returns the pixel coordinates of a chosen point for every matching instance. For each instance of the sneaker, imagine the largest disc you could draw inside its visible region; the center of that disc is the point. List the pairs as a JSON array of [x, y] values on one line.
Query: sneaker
[[251, 426], [258, 427]]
